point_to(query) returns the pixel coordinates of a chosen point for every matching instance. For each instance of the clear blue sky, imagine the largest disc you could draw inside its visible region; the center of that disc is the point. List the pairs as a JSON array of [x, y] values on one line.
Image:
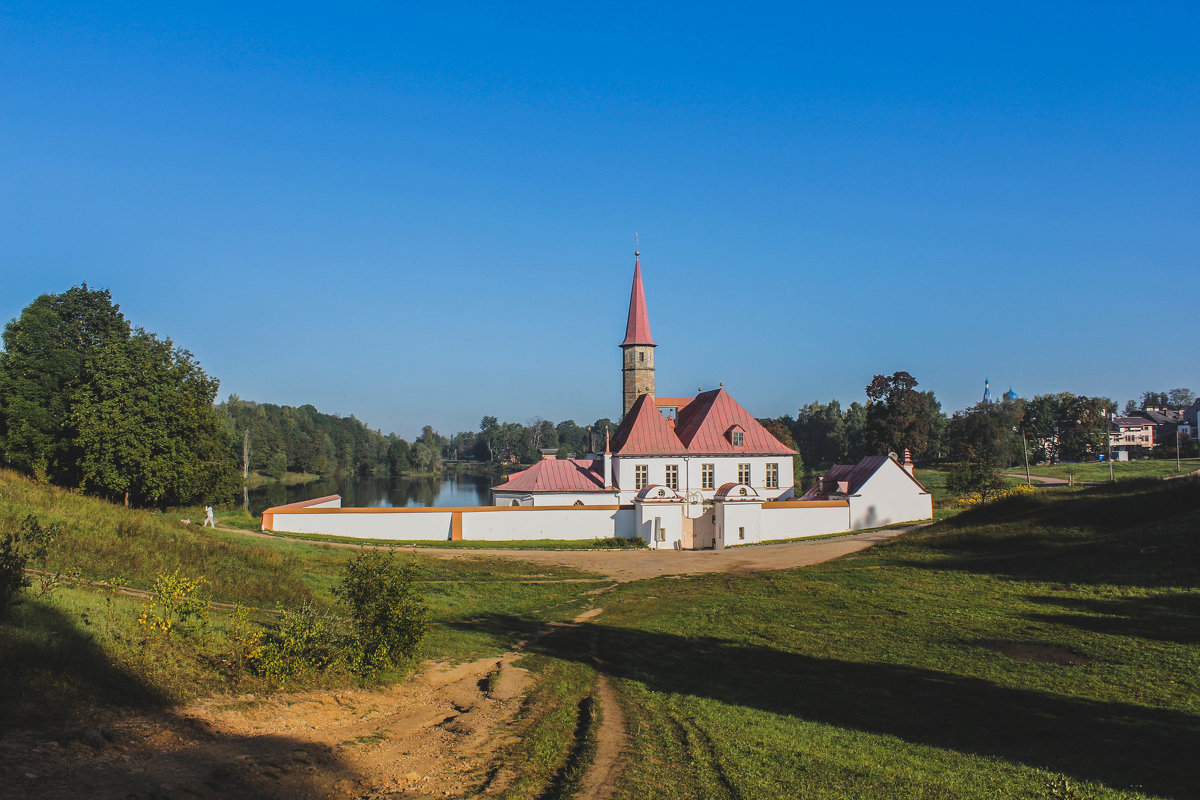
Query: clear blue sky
[[424, 213]]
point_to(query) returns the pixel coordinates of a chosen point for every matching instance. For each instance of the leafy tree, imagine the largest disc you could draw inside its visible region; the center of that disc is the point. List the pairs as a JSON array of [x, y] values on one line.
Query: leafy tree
[[897, 414], [987, 433], [572, 439], [42, 369], [1154, 399], [1131, 407], [1180, 398], [147, 430], [399, 457], [975, 478], [388, 614]]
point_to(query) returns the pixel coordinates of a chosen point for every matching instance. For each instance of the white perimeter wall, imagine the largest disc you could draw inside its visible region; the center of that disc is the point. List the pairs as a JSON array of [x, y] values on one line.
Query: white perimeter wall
[[368, 524], [568, 523], [791, 522]]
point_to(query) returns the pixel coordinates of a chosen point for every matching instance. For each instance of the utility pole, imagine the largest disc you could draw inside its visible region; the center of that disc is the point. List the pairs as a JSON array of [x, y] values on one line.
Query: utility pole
[[246, 470], [1025, 447], [1178, 466], [1108, 438]]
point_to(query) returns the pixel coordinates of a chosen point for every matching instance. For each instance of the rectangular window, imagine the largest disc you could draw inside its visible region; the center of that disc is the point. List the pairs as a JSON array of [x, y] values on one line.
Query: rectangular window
[[744, 474], [707, 479], [641, 476], [673, 477], [739, 438], [772, 476], [741, 532]]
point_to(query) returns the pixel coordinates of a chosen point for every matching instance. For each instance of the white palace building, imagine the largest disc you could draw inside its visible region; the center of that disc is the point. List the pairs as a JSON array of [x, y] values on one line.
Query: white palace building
[[680, 472]]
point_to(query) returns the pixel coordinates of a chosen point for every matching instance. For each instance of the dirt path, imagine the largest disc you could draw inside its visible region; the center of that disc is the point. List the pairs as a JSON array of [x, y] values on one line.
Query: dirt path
[[633, 565]]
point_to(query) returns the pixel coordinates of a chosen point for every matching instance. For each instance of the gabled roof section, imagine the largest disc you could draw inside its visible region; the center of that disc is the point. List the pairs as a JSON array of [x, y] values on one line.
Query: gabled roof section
[[558, 475], [646, 432], [854, 475], [637, 327], [702, 426]]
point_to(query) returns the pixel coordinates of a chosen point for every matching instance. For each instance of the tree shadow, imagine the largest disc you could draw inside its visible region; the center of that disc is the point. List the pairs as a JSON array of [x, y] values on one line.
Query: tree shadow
[[1134, 533], [1167, 618], [1122, 745], [78, 725]]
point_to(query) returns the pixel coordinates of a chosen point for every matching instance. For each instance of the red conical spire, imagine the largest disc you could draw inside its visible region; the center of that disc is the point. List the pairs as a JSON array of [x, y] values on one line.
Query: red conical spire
[[637, 329]]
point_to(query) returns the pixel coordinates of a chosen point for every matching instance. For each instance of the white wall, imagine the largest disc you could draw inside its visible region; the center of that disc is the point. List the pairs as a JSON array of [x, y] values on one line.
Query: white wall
[[732, 516], [725, 470], [669, 519], [798, 518], [402, 524], [555, 498], [889, 496], [571, 523]]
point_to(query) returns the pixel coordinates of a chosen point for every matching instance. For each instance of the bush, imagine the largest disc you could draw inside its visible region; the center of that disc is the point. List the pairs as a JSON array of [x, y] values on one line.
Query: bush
[[30, 544], [303, 640], [616, 543], [388, 616]]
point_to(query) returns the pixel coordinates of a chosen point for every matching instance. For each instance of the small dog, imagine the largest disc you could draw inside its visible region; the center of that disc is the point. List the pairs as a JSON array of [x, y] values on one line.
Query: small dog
[[186, 521]]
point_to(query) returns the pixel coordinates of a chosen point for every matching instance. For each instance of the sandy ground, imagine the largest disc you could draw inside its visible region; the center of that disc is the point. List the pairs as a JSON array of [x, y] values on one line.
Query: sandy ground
[[439, 734], [633, 565]]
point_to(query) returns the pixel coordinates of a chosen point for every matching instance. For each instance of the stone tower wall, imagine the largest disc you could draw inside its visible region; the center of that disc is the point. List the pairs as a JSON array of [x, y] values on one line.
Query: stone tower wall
[[637, 374]]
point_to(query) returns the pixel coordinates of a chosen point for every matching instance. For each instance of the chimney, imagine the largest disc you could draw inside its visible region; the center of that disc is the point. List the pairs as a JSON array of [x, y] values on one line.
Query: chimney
[[908, 462], [608, 484]]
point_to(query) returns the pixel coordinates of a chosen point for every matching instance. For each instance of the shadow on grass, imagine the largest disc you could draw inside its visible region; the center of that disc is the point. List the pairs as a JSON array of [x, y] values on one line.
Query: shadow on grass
[[1122, 745], [1134, 533], [83, 726], [1167, 618]]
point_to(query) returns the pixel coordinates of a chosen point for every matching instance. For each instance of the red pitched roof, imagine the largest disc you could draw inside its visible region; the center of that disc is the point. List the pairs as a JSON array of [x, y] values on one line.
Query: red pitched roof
[[703, 425], [558, 475], [637, 328], [646, 432]]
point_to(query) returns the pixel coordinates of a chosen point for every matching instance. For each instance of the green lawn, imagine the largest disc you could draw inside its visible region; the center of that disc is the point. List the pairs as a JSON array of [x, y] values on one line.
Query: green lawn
[[1048, 646], [1097, 471]]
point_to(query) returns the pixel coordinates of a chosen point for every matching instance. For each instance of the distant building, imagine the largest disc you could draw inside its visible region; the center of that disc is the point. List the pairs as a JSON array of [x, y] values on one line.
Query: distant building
[[1131, 435]]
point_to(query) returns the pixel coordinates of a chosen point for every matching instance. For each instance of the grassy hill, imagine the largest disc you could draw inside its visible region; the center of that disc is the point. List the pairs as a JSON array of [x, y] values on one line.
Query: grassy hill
[[1044, 646]]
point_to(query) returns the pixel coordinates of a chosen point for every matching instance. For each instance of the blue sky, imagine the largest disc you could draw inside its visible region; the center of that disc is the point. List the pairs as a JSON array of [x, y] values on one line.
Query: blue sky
[[424, 213]]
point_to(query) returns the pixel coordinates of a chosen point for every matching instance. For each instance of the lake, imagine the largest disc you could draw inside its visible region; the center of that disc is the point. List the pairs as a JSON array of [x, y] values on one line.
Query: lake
[[451, 489]]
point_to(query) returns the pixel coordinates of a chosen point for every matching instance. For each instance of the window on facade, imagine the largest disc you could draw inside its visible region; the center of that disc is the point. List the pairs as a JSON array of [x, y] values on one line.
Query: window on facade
[[673, 477], [707, 479], [641, 476], [515, 503], [739, 438], [744, 474], [741, 532], [641, 356], [578, 502], [772, 476]]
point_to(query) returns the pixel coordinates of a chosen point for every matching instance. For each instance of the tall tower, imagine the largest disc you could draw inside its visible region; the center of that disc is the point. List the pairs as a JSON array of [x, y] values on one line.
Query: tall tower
[[637, 350]]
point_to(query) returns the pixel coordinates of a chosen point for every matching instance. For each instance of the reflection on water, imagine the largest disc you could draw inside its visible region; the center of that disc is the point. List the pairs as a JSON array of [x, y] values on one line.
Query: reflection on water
[[446, 490]]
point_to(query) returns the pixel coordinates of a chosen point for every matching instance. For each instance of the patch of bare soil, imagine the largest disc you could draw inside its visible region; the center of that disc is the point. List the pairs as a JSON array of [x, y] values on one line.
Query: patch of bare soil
[[633, 565], [1038, 653], [435, 735]]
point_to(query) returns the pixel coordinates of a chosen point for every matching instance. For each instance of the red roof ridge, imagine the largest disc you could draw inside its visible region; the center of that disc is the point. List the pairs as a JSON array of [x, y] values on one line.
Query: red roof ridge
[[645, 431]]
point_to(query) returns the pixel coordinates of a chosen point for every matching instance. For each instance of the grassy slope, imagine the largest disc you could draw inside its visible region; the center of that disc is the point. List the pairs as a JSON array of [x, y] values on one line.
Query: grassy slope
[[878, 675], [1098, 471], [83, 643]]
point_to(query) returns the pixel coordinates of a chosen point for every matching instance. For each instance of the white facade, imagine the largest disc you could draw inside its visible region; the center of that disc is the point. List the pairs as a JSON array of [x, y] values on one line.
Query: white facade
[[726, 469]]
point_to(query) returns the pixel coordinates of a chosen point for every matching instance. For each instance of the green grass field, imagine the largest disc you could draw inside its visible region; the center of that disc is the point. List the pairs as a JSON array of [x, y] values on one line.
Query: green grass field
[[1097, 471], [1044, 646]]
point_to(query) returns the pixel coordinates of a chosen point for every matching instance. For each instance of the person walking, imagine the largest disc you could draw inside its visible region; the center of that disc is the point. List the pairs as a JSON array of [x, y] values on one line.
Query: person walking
[[209, 522]]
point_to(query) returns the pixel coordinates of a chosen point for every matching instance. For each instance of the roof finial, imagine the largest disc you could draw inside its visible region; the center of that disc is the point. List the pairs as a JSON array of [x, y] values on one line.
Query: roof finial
[[637, 251]]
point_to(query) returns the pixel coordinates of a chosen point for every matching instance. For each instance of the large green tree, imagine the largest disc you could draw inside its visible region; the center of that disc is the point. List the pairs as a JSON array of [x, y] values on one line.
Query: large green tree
[[897, 415], [42, 369], [148, 432]]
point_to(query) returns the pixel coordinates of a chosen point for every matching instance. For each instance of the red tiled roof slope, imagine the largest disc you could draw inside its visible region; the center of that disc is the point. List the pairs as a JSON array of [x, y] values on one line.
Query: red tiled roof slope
[[646, 432], [559, 475], [702, 427], [637, 327]]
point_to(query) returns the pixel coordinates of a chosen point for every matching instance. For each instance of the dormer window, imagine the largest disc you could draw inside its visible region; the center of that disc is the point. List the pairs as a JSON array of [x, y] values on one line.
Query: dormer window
[[737, 436]]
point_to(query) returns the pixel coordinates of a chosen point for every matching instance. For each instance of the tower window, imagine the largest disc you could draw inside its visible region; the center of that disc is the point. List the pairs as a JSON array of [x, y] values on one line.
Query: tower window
[[641, 357], [641, 476], [673, 477]]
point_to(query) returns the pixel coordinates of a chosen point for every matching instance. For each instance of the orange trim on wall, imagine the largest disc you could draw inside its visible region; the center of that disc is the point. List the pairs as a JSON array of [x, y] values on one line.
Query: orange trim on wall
[[801, 504], [456, 526], [268, 521], [435, 509]]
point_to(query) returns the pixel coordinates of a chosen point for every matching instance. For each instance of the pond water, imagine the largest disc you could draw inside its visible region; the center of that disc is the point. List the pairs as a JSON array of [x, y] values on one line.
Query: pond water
[[451, 489]]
